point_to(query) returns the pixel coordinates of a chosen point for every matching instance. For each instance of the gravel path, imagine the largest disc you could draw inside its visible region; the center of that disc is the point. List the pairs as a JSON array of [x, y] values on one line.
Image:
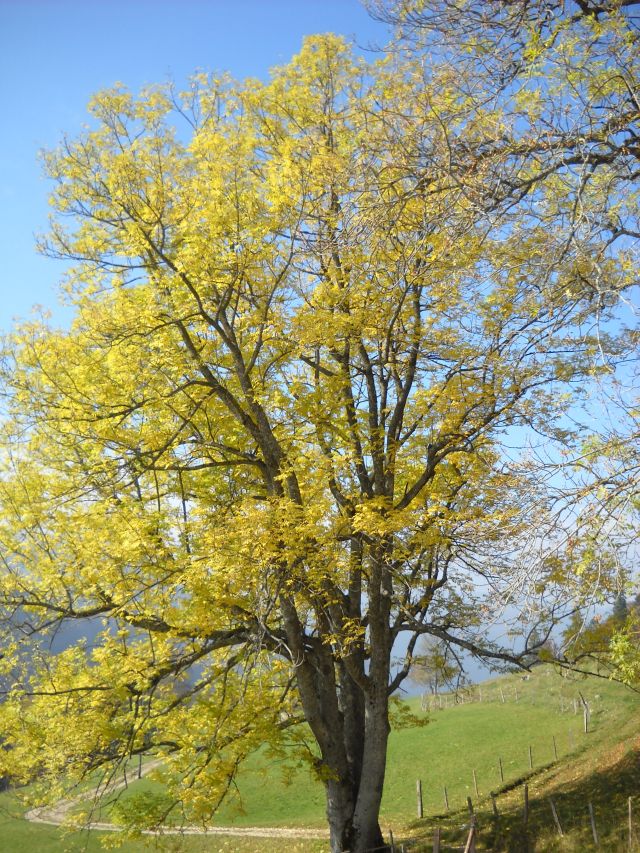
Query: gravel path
[[58, 814]]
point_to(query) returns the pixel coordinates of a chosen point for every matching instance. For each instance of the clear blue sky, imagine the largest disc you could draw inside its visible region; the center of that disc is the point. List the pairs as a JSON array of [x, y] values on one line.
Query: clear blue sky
[[54, 54]]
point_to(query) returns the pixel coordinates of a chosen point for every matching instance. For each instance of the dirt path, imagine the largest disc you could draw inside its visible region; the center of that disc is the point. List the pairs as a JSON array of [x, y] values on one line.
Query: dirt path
[[58, 814]]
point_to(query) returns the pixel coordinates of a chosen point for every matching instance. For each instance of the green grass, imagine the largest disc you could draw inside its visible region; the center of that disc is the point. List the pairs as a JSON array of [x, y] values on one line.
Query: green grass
[[19, 836], [457, 741], [467, 738], [603, 769]]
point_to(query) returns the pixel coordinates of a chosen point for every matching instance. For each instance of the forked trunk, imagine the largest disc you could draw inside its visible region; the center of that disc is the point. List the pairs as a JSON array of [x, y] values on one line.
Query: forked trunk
[[351, 727], [353, 809], [353, 830]]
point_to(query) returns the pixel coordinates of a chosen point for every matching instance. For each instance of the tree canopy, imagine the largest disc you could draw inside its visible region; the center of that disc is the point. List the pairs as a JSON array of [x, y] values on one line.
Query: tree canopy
[[272, 446]]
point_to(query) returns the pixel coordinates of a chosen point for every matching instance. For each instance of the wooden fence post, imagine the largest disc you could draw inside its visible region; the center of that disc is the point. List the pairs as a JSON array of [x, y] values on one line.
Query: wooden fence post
[[470, 846], [494, 806], [501, 770], [419, 799], [391, 844], [594, 831], [586, 713], [470, 806], [436, 840], [502, 695], [555, 817], [555, 747], [446, 800], [475, 783], [530, 758]]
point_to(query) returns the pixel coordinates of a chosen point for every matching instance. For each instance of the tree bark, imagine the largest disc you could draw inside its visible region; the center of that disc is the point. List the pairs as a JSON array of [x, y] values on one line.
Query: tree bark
[[366, 828], [353, 820], [351, 727], [365, 733]]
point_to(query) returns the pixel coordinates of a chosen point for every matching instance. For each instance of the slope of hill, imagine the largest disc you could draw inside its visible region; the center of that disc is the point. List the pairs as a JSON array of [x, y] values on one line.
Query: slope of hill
[[519, 725]]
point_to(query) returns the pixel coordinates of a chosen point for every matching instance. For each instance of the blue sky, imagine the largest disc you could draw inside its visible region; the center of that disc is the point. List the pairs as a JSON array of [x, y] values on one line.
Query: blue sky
[[54, 54]]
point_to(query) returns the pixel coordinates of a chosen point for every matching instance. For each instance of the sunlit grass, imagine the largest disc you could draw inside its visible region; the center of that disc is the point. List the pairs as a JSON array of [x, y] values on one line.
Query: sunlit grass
[[457, 741]]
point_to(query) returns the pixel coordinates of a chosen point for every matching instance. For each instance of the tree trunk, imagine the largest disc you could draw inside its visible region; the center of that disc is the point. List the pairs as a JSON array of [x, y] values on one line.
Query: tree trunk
[[367, 834], [353, 820], [356, 829], [350, 722], [340, 807]]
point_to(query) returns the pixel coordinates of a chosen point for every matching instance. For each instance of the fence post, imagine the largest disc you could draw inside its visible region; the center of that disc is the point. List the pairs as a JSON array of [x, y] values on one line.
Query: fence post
[[419, 799], [501, 770], [555, 747], [436, 840], [391, 844], [446, 800], [586, 713], [555, 817], [475, 783], [470, 806], [494, 805], [594, 831], [530, 758], [470, 846]]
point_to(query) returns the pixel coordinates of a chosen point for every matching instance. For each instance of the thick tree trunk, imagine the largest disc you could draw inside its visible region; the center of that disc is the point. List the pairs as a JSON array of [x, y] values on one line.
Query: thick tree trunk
[[351, 728], [350, 721], [353, 808], [340, 806], [354, 828], [367, 834]]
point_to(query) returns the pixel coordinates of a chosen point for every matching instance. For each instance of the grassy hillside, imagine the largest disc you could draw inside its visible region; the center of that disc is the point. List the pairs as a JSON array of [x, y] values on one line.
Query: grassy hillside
[[600, 767]]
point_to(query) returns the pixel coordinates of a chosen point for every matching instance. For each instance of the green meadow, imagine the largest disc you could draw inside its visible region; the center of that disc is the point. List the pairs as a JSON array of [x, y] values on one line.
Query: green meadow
[[475, 736]]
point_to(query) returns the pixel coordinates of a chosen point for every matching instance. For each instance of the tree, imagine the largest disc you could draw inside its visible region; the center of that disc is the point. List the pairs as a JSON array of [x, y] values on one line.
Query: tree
[[562, 77], [588, 642], [269, 446], [435, 665], [620, 609], [625, 652]]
